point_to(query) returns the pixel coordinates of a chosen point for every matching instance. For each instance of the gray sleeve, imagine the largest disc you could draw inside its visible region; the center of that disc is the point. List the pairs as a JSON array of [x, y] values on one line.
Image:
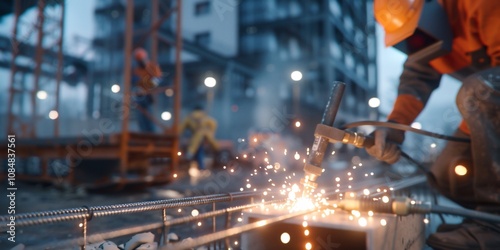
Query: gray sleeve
[[418, 79]]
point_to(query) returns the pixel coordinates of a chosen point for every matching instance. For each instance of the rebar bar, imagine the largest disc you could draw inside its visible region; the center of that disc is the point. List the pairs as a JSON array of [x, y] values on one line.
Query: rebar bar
[[138, 229], [37, 218]]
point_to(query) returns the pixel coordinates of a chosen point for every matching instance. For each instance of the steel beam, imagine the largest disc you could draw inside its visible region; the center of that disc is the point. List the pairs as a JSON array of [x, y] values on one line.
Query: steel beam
[[38, 65], [177, 85], [13, 69], [129, 25], [60, 63]]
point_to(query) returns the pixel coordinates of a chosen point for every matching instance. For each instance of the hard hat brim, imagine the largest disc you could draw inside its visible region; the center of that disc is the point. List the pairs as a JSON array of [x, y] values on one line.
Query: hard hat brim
[[394, 37]]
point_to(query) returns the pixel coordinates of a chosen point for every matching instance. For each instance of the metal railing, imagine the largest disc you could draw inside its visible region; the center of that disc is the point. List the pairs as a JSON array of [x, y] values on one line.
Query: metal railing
[[84, 214]]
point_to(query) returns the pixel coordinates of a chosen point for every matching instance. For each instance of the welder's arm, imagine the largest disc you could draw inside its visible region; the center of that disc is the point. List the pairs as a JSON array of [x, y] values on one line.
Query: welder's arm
[[417, 82]]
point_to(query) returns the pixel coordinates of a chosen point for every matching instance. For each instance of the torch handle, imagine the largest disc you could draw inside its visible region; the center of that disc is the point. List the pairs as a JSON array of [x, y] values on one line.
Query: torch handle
[[333, 104]]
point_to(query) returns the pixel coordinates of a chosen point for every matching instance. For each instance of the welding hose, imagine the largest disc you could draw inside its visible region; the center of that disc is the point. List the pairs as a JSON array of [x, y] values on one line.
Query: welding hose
[[405, 128], [404, 206], [415, 162], [467, 213], [422, 208], [472, 214]]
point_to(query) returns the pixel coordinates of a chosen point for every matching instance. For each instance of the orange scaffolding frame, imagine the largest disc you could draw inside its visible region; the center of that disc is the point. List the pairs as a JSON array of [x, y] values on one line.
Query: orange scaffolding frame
[[121, 146]]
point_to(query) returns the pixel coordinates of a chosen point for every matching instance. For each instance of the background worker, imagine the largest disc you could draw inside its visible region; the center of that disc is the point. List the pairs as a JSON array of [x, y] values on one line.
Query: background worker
[[146, 76], [460, 38], [202, 128]]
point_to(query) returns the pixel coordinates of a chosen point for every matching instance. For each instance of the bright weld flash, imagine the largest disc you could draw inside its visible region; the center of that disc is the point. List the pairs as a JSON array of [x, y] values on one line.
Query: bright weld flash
[[460, 170], [383, 222], [296, 156], [385, 199], [302, 204], [356, 213], [362, 222], [285, 238], [308, 246], [195, 212]]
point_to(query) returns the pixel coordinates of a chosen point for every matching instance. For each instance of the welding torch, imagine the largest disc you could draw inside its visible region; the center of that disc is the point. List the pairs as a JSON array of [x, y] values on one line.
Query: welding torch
[[324, 134]]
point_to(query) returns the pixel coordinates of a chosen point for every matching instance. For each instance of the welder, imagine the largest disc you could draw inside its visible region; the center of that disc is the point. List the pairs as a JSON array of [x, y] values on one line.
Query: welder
[[459, 38], [146, 77], [202, 128]]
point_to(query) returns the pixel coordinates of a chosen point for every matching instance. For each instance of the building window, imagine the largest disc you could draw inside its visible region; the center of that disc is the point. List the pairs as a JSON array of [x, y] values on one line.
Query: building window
[[202, 8], [202, 39]]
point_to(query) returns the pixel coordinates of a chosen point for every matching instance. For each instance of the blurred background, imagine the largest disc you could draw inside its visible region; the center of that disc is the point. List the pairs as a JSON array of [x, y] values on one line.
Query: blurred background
[[251, 49], [262, 69], [255, 66]]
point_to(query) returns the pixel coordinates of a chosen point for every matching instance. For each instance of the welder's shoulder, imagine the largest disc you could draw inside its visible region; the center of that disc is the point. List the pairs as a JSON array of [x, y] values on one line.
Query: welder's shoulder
[[480, 7]]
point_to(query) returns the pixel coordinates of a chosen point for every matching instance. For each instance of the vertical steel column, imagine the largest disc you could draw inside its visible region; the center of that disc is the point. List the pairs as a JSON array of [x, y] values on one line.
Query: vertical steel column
[[154, 57], [154, 32], [84, 233], [13, 68], [164, 233], [129, 25], [177, 85], [214, 225], [327, 68], [38, 65], [296, 97], [228, 225], [227, 83], [210, 99], [60, 65]]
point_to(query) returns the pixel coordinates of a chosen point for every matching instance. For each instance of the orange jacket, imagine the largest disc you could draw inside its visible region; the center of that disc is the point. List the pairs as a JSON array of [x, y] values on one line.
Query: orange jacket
[[475, 25], [145, 75]]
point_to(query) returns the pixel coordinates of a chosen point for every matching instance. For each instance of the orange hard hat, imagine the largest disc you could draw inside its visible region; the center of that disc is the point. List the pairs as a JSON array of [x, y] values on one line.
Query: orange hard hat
[[140, 54], [399, 18]]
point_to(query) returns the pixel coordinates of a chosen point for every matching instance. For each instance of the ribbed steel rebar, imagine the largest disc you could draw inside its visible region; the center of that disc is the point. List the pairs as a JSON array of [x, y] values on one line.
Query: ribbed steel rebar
[[143, 228], [37, 218]]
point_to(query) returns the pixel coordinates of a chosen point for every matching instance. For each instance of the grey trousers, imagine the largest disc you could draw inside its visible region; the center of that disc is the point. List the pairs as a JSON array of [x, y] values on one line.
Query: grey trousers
[[479, 103]]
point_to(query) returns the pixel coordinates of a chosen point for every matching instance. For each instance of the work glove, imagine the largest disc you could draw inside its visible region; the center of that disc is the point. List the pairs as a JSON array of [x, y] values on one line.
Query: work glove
[[386, 147]]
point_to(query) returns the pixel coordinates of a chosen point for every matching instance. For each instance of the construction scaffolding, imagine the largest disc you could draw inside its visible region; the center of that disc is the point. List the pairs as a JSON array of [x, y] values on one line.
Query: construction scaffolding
[[129, 157], [46, 27]]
